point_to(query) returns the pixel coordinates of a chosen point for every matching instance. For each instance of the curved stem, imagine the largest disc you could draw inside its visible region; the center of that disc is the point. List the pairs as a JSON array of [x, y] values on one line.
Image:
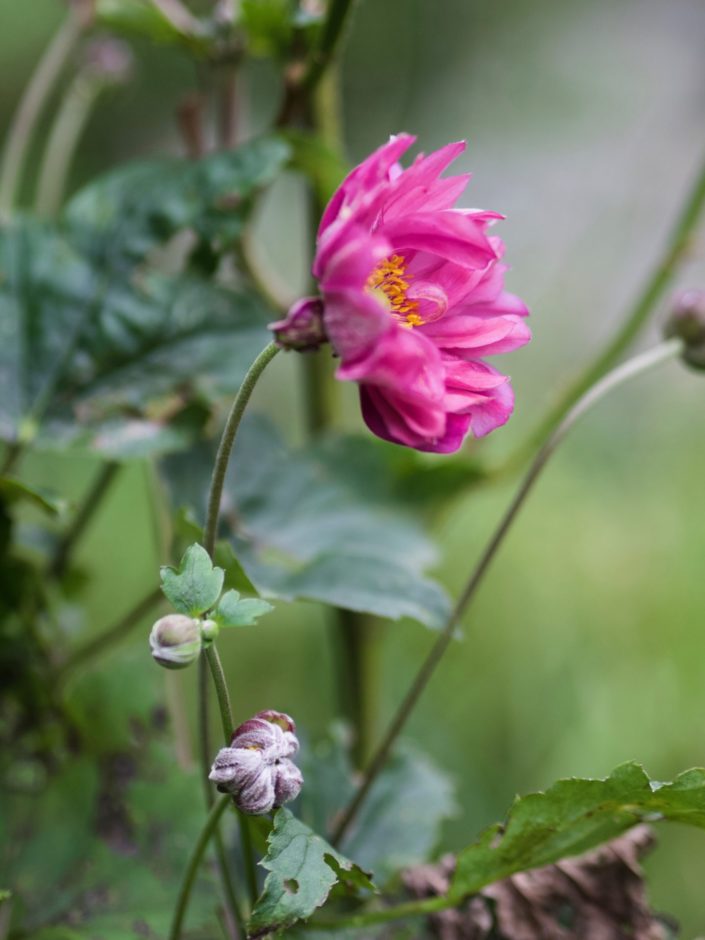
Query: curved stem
[[38, 90], [103, 481], [194, 864], [629, 369], [112, 635], [654, 288], [211, 655], [62, 142], [228, 439]]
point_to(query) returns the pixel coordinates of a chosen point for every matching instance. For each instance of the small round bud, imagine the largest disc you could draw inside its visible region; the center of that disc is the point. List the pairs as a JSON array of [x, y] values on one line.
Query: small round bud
[[175, 641], [302, 329], [687, 321], [209, 630], [109, 60], [257, 768]]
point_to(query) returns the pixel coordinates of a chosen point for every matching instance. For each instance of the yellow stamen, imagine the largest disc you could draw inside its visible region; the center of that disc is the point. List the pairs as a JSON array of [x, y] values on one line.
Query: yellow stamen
[[389, 280]]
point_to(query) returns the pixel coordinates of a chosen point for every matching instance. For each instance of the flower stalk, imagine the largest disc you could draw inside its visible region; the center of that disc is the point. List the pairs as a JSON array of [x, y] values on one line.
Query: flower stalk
[[623, 373], [652, 291]]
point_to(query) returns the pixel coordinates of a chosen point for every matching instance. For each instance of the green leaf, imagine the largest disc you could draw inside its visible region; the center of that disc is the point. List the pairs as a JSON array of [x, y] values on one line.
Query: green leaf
[[125, 214], [269, 26], [144, 18], [574, 816], [195, 586], [400, 822], [80, 346], [13, 490], [300, 532], [303, 869], [234, 611]]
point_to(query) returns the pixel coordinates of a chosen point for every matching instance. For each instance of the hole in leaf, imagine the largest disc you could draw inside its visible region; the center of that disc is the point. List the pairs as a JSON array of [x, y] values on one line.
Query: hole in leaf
[[291, 885]]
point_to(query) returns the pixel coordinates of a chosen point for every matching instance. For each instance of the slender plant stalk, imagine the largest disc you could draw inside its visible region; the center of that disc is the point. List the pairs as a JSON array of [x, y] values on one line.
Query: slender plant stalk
[[194, 864], [102, 484], [624, 372], [63, 139], [652, 291], [331, 35], [114, 634], [212, 659], [37, 92], [228, 439]]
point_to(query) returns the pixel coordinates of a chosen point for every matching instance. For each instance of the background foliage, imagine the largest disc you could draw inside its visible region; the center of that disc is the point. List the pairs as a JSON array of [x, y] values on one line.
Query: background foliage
[[585, 648]]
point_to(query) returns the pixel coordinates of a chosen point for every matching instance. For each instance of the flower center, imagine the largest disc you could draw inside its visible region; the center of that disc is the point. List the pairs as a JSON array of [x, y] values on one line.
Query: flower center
[[389, 280]]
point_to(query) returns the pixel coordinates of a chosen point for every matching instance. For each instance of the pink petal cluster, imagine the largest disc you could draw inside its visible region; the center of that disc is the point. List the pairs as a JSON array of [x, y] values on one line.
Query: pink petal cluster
[[257, 768], [413, 300]]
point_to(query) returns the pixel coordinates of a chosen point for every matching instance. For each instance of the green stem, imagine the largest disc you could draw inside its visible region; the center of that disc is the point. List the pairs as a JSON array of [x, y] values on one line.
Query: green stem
[[624, 372], [62, 142], [211, 656], [228, 439], [114, 634], [331, 35], [385, 915], [37, 92], [654, 288], [104, 480], [194, 864]]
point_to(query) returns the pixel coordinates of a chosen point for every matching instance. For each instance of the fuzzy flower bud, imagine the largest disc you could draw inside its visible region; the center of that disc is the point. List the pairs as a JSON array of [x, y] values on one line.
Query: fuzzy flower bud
[[256, 769], [687, 321], [302, 329], [175, 641]]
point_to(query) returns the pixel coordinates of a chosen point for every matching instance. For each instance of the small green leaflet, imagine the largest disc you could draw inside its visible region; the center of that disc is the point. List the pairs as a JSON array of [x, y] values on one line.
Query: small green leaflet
[[13, 490], [573, 816], [303, 869], [234, 611], [195, 586]]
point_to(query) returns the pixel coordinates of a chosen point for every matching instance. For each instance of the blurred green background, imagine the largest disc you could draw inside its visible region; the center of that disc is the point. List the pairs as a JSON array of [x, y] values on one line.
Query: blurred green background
[[586, 648]]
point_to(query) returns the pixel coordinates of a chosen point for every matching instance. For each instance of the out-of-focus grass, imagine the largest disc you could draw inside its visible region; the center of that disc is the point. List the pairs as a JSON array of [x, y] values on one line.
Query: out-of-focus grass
[[587, 643]]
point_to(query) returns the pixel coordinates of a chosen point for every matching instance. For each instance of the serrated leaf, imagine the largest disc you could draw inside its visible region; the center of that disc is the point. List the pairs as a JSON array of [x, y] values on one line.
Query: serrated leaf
[[300, 532], [195, 586], [573, 816], [303, 869], [234, 611]]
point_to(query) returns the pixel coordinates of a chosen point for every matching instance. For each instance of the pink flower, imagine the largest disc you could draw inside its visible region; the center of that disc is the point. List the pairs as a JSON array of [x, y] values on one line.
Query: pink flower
[[413, 300], [256, 769]]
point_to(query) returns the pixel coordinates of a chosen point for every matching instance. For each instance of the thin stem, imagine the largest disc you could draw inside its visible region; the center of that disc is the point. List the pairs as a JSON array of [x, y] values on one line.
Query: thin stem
[[194, 864], [654, 288], [624, 372], [384, 915], [112, 635], [36, 94], [104, 480], [228, 439], [221, 691], [226, 718], [338, 11], [62, 142], [178, 15]]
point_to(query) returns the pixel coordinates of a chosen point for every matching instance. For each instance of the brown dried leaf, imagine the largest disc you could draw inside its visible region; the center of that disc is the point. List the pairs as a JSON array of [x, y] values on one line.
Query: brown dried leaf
[[600, 895]]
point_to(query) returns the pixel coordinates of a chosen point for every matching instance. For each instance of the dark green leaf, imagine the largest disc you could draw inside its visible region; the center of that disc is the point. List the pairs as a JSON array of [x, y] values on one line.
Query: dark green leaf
[[125, 214], [400, 822], [195, 586], [13, 490], [269, 25], [234, 611], [300, 532], [572, 817], [303, 869], [79, 345]]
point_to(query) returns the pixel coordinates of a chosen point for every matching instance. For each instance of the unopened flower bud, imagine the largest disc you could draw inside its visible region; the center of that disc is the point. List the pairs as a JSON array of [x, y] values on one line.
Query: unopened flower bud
[[175, 641], [302, 329], [256, 769], [687, 321], [209, 630], [109, 60]]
